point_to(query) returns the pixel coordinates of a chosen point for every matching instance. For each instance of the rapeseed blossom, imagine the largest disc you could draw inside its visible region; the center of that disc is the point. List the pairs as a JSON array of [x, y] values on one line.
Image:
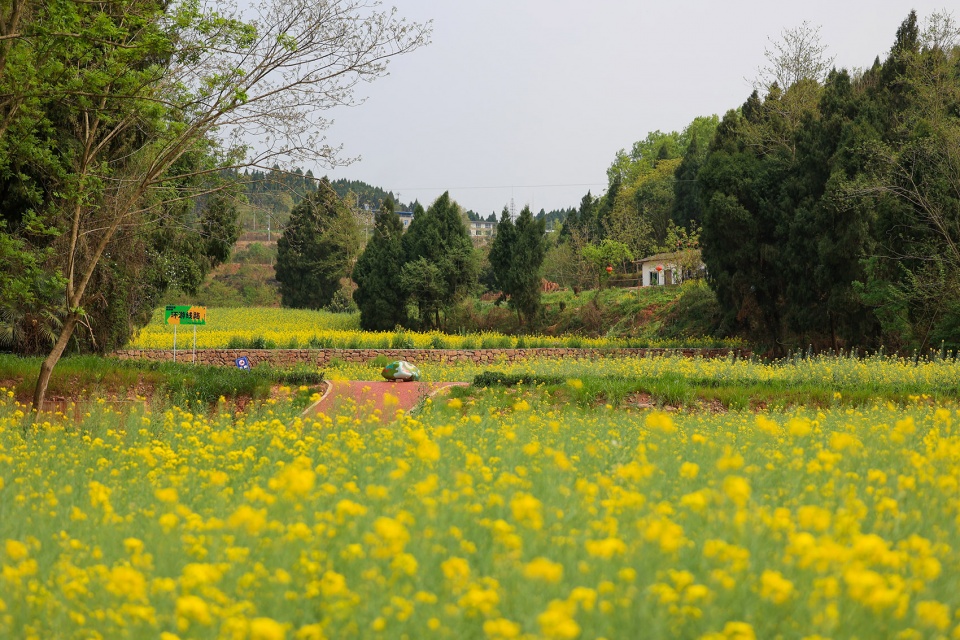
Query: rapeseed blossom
[[476, 518]]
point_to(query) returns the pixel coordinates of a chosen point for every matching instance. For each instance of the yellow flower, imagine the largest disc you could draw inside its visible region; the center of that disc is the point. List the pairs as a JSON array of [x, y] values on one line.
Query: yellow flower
[[99, 495], [689, 470], [267, 629], [295, 480], [543, 569], [606, 548], [456, 571], [15, 550], [526, 510], [735, 630], [166, 495], [737, 489], [251, 520], [557, 623], [310, 632], [127, 582], [774, 587], [799, 427], [584, 597], [933, 614], [428, 450], [479, 600], [389, 537], [501, 629], [191, 609], [660, 421], [767, 426]]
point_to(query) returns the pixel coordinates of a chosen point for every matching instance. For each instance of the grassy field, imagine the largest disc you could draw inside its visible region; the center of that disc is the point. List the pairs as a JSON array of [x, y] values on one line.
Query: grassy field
[[78, 378], [500, 513]]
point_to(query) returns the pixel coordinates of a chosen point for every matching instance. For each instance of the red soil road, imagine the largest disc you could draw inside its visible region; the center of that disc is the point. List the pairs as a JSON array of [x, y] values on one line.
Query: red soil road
[[363, 398]]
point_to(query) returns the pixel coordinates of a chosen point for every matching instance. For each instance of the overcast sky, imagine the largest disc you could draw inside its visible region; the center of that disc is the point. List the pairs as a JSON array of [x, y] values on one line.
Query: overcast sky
[[531, 99]]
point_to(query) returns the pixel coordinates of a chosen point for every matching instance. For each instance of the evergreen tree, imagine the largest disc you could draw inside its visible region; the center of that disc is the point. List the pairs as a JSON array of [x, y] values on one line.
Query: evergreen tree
[[516, 258], [501, 253], [382, 304], [686, 192], [438, 243], [316, 250], [526, 262]]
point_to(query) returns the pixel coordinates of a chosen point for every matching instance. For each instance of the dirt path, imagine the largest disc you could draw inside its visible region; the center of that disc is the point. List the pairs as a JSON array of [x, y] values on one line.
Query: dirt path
[[366, 400]]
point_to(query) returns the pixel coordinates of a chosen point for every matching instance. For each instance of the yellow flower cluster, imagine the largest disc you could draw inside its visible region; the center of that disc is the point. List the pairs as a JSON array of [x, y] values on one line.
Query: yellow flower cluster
[[301, 329], [498, 515]]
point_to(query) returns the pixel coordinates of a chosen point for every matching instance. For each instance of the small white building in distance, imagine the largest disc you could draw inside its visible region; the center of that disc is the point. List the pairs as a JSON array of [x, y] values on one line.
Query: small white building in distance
[[670, 268]]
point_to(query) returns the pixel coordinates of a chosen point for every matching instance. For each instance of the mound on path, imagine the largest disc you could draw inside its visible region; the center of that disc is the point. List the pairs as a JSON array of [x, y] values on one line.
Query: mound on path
[[377, 401]]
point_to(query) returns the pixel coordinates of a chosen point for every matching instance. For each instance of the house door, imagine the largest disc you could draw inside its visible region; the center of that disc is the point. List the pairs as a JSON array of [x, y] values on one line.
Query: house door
[[667, 276]]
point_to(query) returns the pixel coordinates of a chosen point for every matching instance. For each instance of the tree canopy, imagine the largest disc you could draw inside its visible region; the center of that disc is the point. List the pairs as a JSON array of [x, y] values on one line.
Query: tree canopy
[[117, 117], [317, 248]]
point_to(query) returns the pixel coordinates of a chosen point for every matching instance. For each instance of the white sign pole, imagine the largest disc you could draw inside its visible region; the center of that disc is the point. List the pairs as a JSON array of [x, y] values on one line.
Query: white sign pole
[[174, 343], [194, 344]]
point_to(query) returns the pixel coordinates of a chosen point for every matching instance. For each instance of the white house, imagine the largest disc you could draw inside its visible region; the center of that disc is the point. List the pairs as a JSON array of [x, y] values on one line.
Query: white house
[[668, 268], [482, 228]]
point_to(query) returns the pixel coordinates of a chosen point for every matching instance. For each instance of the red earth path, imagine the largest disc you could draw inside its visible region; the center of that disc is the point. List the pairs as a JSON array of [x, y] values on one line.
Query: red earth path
[[364, 399]]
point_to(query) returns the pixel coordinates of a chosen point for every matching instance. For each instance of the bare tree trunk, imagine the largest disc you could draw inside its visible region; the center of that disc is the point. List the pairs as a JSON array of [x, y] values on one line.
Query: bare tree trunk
[[46, 369]]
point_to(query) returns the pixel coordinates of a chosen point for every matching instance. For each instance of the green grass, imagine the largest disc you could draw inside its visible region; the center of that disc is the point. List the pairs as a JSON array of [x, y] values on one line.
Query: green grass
[[178, 383]]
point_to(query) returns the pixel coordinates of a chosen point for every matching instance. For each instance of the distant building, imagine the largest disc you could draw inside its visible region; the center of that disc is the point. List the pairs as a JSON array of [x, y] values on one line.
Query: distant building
[[406, 217], [481, 230], [670, 268]]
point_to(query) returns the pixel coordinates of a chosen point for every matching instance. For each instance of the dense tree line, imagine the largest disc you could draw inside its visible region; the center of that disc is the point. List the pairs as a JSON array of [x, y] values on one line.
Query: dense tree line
[[436, 266], [831, 210]]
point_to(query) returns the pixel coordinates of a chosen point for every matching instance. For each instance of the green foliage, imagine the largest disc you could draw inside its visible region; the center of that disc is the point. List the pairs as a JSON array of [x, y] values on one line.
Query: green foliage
[[367, 196], [516, 258], [695, 314], [400, 340], [499, 379], [440, 264], [606, 254], [828, 212], [316, 249], [382, 303]]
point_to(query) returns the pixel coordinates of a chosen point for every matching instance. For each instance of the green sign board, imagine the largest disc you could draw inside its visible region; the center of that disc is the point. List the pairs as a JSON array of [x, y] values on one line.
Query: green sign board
[[184, 315]]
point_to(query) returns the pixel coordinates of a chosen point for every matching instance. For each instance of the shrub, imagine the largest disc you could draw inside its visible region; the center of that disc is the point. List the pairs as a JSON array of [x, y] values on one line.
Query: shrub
[[401, 340], [500, 379], [316, 342], [301, 374]]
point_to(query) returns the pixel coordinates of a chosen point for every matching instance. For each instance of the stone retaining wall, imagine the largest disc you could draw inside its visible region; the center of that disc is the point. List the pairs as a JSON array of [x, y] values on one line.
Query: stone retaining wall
[[322, 357]]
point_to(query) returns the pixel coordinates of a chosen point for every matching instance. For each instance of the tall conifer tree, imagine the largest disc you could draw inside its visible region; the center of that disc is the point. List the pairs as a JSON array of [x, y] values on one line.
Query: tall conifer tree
[[382, 304], [317, 249]]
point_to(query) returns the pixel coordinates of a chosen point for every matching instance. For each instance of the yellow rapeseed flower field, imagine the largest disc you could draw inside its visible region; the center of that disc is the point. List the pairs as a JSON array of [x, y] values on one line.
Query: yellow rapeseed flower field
[[495, 515], [301, 329]]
